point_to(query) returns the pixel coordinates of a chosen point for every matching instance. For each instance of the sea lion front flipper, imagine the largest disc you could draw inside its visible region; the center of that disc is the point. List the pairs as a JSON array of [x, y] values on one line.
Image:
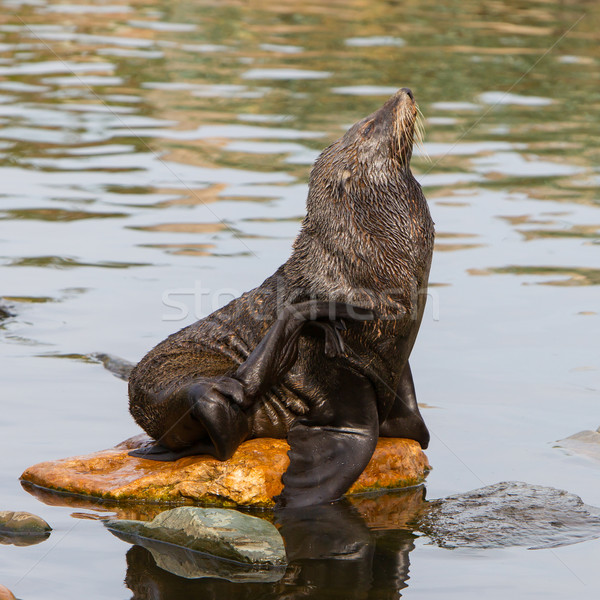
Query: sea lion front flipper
[[404, 419], [203, 417], [329, 450]]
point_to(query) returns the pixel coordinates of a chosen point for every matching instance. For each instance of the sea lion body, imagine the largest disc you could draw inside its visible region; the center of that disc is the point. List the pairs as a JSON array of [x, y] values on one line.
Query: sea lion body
[[273, 363]]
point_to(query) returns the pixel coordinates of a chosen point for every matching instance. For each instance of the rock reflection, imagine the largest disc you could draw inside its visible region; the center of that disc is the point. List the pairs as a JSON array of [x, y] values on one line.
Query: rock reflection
[[561, 276], [183, 563], [32, 539]]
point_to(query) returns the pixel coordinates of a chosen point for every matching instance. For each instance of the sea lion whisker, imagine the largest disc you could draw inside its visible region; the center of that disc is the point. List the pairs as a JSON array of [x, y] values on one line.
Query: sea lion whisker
[[420, 134]]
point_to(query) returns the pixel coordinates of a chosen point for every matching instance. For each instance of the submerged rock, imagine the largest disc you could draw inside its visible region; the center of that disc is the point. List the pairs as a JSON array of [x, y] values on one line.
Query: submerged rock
[[219, 532], [251, 477], [118, 366], [510, 514], [22, 528], [585, 442], [5, 313]]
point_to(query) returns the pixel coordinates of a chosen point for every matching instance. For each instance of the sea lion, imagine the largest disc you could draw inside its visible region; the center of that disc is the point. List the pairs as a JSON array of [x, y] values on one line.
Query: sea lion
[[318, 353]]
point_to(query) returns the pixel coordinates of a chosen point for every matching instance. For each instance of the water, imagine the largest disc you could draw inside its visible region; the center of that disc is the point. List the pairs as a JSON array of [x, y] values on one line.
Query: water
[[154, 159]]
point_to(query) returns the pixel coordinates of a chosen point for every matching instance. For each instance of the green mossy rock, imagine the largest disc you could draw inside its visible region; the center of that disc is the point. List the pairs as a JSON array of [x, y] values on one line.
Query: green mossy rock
[[219, 532]]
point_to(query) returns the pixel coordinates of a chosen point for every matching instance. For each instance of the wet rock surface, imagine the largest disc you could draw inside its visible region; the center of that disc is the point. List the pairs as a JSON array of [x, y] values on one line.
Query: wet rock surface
[[510, 514], [586, 443], [223, 533], [252, 477], [21, 528]]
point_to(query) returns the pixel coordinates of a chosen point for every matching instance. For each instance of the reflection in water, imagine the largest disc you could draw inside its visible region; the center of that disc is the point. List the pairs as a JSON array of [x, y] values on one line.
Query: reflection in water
[[356, 548], [30, 539], [332, 547], [331, 550], [174, 105], [562, 276], [359, 548], [190, 564], [62, 262]]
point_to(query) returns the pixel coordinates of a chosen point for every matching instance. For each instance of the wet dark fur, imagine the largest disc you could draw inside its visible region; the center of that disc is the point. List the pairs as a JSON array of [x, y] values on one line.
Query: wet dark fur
[[366, 240]]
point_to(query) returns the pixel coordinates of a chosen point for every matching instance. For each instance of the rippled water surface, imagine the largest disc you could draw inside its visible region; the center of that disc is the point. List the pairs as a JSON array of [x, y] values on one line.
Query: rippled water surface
[[153, 163]]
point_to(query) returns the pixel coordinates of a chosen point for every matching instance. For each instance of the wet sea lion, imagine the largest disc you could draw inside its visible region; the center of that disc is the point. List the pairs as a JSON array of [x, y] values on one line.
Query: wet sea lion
[[318, 353]]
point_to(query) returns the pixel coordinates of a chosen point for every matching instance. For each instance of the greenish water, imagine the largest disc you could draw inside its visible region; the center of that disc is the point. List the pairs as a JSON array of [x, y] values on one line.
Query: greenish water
[[153, 164]]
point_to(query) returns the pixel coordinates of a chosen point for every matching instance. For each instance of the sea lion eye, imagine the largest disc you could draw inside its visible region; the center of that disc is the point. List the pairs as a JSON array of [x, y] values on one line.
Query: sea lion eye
[[367, 130]]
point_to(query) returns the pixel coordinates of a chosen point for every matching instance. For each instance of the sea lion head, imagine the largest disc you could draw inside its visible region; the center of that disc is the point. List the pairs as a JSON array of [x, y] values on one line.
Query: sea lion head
[[373, 151]]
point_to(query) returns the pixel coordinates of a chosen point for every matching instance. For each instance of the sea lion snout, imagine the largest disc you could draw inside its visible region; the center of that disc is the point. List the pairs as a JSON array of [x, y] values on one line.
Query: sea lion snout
[[393, 130], [408, 92], [402, 99]]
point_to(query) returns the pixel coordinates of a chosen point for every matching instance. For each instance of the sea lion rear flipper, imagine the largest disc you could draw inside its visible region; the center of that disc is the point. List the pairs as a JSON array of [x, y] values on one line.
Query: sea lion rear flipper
[[326, 459]]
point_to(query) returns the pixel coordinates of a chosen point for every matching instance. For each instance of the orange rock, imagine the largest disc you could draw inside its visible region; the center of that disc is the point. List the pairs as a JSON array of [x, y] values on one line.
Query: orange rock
[[252, 477], [5, 593]]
